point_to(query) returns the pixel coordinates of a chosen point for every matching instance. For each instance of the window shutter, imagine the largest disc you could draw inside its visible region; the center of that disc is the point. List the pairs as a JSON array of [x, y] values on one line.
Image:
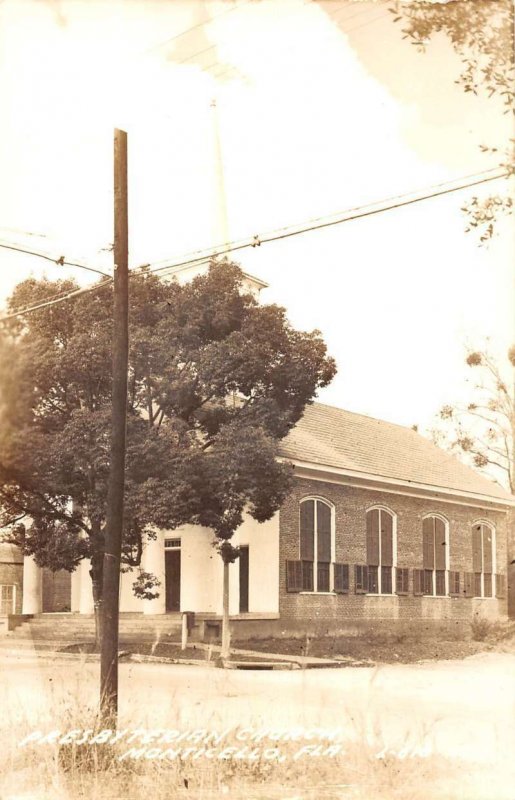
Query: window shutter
[[307, 576], [294, 576], [477, 552], [341, 578], [373, 537], [469, 584], [440, 544], [428, 581], [323, 532], [418, 581], [500, 586], [401, 580], [360, 579], [386, 539], [307, 530], [487, 549], [428, 542], [454, 583]]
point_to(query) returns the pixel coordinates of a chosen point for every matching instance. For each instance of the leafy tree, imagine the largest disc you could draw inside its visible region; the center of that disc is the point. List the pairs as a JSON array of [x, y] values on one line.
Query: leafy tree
[[483, 431], [215, 381], [481, 33]]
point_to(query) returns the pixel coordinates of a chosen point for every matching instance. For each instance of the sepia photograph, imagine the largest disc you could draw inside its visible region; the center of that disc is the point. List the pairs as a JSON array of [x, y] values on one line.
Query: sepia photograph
[[257, 400]]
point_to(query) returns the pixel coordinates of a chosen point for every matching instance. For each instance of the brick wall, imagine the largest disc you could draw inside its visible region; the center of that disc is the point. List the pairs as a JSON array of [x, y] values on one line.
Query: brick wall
[[351, 612], [56, 591]]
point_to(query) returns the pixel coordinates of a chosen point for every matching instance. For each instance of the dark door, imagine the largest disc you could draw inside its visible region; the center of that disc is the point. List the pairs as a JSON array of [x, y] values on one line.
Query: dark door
[[173, 579], [244, 579]]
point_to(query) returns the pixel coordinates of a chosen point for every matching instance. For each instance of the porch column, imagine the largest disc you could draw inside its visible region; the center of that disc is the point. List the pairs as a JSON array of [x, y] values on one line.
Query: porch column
[[32, 587], [86, 588], [153, 561], [75, 590]]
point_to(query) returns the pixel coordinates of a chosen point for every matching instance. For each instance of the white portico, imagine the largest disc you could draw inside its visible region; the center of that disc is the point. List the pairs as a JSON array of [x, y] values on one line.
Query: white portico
[[189, 570]]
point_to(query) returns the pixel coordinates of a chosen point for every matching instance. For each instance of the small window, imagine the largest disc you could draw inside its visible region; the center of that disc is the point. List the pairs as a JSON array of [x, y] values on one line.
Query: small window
[[170, 543], [7, 600]]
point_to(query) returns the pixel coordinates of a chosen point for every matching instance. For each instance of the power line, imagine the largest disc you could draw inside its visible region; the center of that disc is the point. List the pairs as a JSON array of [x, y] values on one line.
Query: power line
[[46, 303], [358, 212], [192, 28], [60, 261], [316, 223]]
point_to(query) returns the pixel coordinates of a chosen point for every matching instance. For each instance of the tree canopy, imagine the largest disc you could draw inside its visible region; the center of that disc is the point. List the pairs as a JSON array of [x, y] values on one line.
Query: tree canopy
[[481, 33], [482, 430], [216, 380]]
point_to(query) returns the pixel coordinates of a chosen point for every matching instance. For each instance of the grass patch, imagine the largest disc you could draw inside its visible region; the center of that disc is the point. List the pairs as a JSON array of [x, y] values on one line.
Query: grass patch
[[368, 649]]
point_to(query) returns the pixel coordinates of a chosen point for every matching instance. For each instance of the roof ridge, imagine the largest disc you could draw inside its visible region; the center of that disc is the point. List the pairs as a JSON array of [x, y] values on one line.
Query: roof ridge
[[367, 416]]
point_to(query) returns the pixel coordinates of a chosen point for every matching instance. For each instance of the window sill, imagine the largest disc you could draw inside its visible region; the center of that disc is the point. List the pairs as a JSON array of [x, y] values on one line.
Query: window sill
[[328, 594]]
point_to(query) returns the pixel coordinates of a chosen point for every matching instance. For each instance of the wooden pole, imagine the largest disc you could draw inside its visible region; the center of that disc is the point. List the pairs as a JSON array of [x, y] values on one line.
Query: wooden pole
[[114, 523], [226, 632]]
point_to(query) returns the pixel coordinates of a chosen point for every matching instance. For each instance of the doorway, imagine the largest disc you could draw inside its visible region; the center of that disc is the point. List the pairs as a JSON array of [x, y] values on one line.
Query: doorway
[[173, 577], [244, 579]]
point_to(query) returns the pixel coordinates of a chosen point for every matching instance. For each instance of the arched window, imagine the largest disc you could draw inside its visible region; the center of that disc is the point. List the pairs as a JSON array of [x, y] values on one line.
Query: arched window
[[381, 547], [316, 544], [483, 559], [315, 570], [435, 553]]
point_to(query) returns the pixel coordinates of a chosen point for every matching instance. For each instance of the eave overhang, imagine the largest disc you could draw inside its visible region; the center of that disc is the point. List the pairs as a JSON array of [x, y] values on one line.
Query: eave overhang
[[380, 483]]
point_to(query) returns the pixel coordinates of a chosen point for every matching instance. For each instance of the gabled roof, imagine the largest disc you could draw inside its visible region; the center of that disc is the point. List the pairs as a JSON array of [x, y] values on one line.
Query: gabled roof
[[353, 443]]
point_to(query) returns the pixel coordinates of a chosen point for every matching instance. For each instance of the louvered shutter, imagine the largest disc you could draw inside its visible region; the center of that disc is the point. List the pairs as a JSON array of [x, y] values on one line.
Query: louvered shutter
[[440, 545], [487, 549], [323, 532], [418, 581], [341, 578], [428, 542], [477, 550], [373, 538], [469, 584], [360, 579], [294, 576], [307, 576], [307, 530], [386, 539], [401, 580], [500, 586]]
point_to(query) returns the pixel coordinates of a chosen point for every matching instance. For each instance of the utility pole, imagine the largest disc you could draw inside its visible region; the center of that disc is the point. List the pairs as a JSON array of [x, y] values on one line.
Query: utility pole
[[113, 537]]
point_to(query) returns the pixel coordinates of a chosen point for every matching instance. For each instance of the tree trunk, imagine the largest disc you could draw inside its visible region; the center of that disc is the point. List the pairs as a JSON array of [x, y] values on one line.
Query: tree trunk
[[226, 633]]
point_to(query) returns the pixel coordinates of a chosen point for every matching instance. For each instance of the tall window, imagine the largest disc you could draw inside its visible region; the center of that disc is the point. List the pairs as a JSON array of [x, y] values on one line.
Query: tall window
[[483, 557], [315, 545], [380, 550], [435, 558]]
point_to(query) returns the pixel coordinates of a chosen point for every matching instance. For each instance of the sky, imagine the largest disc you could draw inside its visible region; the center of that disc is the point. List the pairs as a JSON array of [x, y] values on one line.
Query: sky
[[248, 116]]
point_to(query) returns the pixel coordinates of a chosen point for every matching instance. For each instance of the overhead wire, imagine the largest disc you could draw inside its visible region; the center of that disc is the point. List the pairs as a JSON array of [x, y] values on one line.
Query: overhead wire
[[280, 233], [315, 223], [60, 260]]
